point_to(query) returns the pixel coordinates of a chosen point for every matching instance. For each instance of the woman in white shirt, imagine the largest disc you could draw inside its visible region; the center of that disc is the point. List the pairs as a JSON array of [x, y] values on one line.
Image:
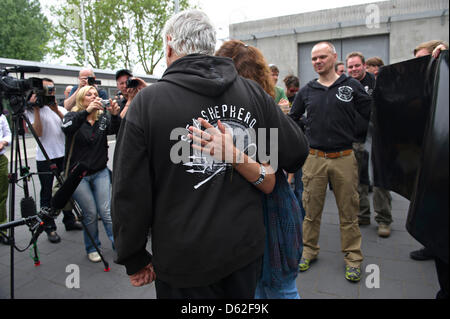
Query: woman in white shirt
[[5, 139]]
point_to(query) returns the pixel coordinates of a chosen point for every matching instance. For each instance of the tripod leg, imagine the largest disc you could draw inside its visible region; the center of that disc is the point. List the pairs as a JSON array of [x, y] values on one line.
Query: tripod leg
[[37, 262], [81, 219]]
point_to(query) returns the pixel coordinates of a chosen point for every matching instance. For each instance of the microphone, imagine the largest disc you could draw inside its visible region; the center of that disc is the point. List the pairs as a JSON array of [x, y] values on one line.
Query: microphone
[[23, 69], [63, 195]]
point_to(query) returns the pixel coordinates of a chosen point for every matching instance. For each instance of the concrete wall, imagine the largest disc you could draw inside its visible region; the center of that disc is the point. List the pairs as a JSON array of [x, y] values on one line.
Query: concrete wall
[[408, 23]]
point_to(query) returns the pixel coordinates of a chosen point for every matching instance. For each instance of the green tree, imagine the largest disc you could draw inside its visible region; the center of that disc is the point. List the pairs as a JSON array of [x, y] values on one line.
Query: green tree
[[99, 21], [149, 18], [24, 31], [119, 33]]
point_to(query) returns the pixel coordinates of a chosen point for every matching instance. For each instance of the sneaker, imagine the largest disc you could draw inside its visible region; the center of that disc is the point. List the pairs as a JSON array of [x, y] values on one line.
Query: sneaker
[[352, 274], [304, 264], [3, 239], [53, 237], [384, 230], [421, 254], [94, 257]]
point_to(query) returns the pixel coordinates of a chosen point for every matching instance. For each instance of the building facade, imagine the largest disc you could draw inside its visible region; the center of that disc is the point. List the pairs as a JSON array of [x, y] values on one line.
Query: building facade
[[387, 29]]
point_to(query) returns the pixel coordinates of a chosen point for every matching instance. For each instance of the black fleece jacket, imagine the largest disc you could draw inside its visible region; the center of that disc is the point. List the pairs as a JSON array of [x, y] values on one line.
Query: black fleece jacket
[[335, 116], [91, 141], [205, 220]]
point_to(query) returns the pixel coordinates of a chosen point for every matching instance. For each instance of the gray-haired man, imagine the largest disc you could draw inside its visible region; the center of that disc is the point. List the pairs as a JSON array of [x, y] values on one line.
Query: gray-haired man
[[205, 219]]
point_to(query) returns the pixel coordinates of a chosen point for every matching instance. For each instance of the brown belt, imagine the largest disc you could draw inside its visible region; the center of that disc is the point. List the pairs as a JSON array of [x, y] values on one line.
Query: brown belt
[[330, 155]]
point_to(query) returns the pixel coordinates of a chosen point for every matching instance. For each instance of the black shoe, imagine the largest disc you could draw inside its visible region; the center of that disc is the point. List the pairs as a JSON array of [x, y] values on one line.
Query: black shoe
[[4, 240], [53, 237], [74, 226], [421, 254], [363, 222]]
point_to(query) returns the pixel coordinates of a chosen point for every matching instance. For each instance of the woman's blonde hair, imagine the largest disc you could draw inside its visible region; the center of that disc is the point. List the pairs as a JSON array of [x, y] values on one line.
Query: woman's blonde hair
[[80, 98]]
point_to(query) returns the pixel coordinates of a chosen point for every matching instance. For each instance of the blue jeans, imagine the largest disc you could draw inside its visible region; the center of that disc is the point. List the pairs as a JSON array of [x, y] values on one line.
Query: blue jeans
[[288, 291], [298, 190], [93, 195]]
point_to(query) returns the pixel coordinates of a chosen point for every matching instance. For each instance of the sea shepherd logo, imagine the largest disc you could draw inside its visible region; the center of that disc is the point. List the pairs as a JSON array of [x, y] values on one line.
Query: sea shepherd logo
[[239, 124], [345, 94]]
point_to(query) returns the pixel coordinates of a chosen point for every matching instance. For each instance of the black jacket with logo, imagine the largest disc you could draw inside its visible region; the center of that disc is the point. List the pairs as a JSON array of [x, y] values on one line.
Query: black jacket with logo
[[333, 116], [205, 220]]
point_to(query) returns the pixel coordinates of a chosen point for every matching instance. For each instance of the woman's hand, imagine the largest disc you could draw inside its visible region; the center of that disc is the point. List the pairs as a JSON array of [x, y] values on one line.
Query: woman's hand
[[284, 105], [113, 107], [95, 105], [218, 142]]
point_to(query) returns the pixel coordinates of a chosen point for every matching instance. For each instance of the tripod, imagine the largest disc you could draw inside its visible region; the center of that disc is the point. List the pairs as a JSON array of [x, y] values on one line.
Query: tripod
[[27, 205]]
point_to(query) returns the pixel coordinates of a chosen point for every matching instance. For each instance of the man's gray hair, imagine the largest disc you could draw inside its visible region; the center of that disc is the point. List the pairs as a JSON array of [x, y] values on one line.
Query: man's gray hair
[[191, 31]]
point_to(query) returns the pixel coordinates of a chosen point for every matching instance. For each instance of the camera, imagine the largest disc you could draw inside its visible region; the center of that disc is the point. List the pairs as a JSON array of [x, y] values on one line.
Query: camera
[[44, 96], [132, 83], [92, 81], [105, 103]]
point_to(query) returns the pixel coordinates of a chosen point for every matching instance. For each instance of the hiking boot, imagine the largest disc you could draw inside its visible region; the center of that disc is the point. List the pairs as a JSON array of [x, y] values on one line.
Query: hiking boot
[[384, 230], [304, 264], [353, 274]]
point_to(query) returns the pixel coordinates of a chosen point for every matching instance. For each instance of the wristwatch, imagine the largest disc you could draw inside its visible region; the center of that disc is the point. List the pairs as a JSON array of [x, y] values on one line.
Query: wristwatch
[[261, 176]]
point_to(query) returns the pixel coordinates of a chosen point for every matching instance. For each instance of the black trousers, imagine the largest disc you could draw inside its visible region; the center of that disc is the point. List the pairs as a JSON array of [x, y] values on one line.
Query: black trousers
[[46, 181], [241, 284], [442, 273]]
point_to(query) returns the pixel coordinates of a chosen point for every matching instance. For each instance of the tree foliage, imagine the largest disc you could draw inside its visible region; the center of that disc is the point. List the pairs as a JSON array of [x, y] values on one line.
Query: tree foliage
[[24, 31], [119, 33]]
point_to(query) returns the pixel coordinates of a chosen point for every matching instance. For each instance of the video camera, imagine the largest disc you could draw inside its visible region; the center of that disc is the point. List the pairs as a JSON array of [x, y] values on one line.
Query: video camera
[[44, 96], [15, 90]]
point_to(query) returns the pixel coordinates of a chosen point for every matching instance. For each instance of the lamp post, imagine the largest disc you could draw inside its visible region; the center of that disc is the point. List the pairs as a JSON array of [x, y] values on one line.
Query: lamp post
[[84, 33]]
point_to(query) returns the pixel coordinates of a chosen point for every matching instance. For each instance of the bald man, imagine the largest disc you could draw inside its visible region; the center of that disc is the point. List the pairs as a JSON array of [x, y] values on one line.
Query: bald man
[[330, 106], [83, 76]]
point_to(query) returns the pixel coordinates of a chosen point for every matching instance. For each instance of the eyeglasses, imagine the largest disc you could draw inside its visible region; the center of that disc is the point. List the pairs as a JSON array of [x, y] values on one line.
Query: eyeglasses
[[293, 90]]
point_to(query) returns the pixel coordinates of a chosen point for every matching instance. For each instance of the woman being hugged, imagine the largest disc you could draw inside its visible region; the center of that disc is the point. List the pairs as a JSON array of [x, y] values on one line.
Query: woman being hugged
[[282, 215], [88, 126]]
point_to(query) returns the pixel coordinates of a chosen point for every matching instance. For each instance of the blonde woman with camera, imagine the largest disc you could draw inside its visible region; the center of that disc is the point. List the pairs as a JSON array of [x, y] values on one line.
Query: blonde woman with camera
[[87, 127]]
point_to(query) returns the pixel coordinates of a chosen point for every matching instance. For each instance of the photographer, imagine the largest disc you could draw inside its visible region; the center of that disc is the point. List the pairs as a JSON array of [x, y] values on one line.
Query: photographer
[[88, 126], [129, 86], [46, 121], [85, 77]]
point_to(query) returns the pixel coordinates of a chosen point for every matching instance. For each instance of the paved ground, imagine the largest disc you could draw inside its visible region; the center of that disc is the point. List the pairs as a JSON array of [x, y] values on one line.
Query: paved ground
[[399, 276]]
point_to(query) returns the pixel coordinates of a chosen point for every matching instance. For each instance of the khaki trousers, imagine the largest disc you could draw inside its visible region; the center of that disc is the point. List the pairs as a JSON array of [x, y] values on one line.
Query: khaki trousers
[[342, 172], [381, 197]]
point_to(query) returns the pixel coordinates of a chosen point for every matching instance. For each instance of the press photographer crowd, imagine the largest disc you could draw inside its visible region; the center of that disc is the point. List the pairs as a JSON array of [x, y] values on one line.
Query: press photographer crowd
[[235, 217]]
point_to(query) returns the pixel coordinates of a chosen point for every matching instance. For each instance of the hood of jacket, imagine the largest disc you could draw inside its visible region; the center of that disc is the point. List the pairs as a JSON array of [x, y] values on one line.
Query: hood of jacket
[[203, 74]]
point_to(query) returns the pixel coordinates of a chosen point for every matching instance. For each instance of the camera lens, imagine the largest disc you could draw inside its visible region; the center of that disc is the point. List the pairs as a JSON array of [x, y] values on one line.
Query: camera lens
[[132, 83]]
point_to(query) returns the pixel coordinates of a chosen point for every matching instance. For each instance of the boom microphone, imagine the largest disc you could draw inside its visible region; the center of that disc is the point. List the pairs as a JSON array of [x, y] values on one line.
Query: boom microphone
[[23, 69], [63, 195]]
